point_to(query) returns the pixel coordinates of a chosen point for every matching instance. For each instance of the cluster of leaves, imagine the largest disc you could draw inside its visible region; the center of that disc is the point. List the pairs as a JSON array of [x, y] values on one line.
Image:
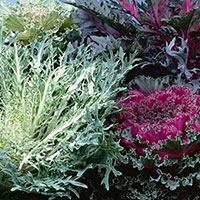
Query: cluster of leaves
[[169, 30], [173, 28], [54, 121], [34, 19], [174, 179], [103, 24]]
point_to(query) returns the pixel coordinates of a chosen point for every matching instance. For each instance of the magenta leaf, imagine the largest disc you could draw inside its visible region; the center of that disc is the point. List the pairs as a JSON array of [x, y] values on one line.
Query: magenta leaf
[[132, 7]]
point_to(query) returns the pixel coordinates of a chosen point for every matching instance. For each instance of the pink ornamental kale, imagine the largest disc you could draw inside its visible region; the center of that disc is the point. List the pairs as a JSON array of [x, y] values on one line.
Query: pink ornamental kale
[[158, 118]]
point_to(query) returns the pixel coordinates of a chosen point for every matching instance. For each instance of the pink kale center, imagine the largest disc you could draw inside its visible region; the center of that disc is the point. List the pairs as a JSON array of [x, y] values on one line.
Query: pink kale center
[[159, 115]]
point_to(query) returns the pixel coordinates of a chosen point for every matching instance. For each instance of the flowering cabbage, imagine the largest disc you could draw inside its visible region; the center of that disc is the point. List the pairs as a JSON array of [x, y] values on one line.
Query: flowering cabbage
[[158, 118], [174, 27]]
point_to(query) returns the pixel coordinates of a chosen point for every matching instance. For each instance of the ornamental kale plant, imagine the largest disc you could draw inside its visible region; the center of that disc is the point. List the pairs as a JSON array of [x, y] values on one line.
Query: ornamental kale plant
[[167, 31], [53, 122], [162, 21], [160, 116], [161, 131], [34, 19], [103, 24]]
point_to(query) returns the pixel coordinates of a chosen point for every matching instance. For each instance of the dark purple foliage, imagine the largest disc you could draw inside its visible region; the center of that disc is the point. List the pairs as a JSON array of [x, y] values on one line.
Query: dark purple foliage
[[162, 21]]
